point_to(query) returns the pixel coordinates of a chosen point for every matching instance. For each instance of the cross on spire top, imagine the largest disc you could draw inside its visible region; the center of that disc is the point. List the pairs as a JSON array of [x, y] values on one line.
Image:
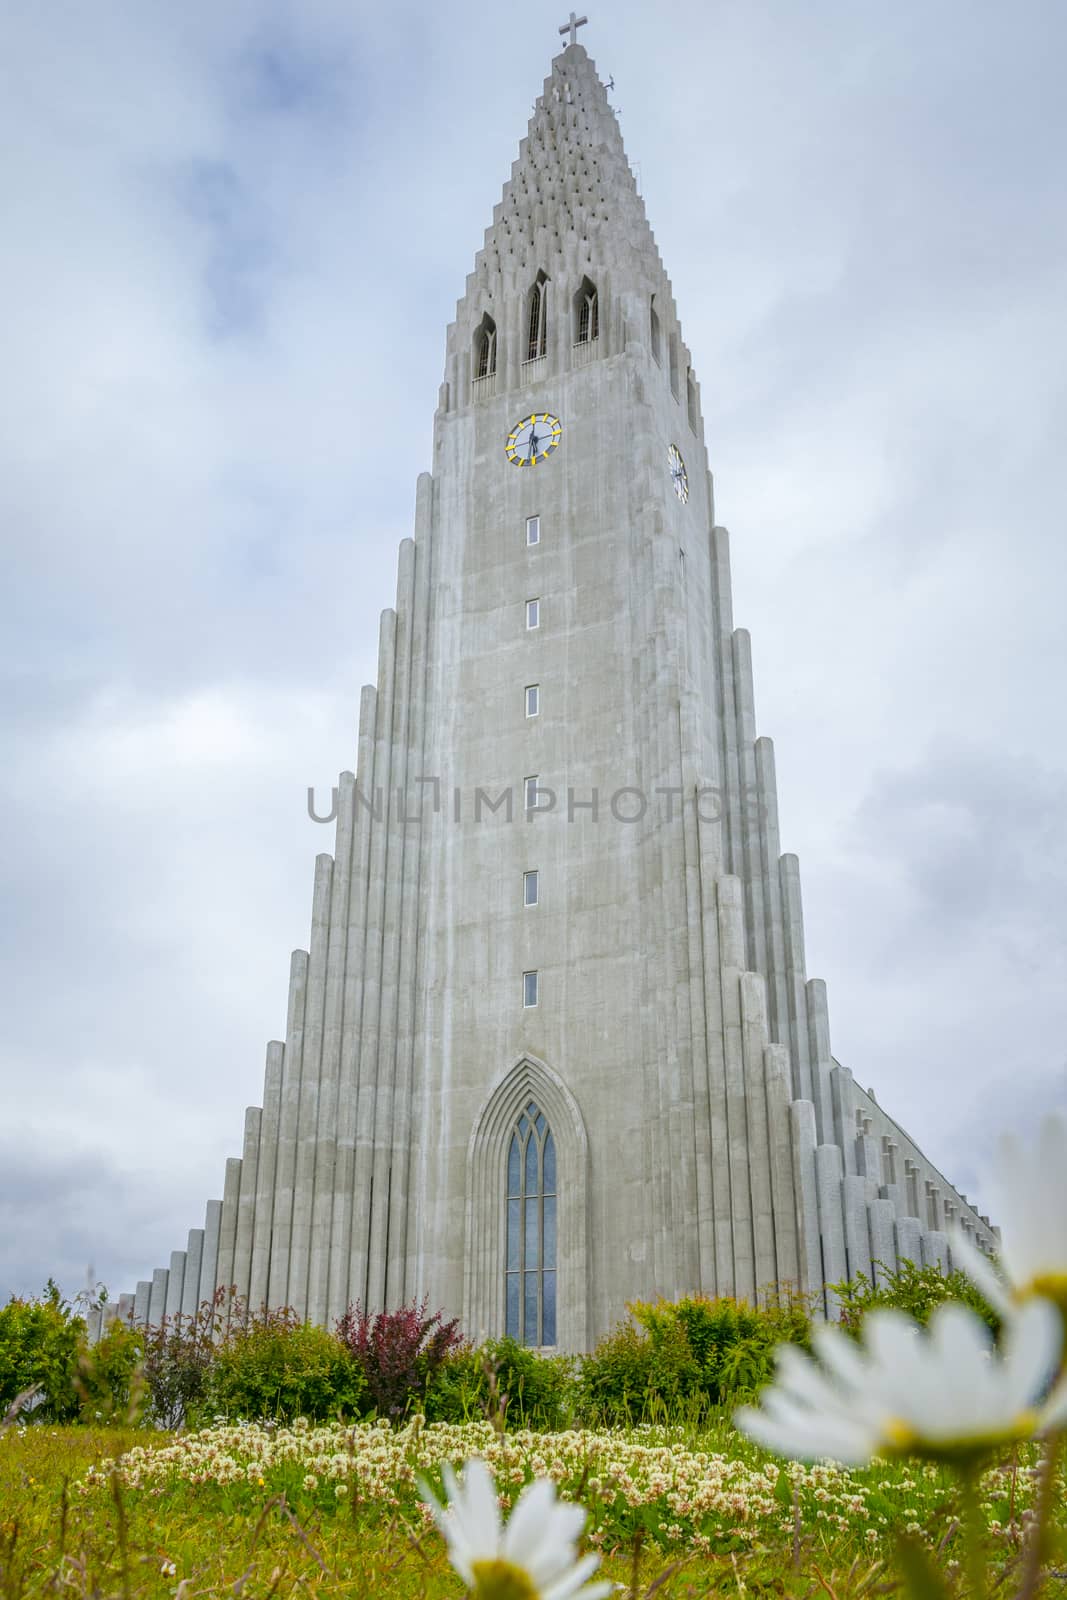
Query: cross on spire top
[[572, 27]]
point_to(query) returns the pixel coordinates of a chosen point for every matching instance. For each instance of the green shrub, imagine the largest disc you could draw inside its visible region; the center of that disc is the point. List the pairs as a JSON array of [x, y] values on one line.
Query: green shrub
[[108, 1381], [178, 1357], [688, 1356], [40, 1341], [918, 1291], [635, 1376], [530, 1390], [278, 1366]]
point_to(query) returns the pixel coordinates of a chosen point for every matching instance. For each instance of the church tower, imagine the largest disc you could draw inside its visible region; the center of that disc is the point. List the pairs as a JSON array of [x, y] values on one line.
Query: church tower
[[552, 1046]]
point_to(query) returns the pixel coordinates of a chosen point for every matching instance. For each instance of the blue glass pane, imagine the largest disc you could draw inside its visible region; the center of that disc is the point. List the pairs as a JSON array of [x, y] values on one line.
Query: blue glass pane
[[532, 1241], [529, 1321], [514, 1167], [532, 1185], [512, 1326], [523, 1125], [541, 1123], [532, 1109], [549, 1240], [548, 1309], [550, 1164], [513, 1235]]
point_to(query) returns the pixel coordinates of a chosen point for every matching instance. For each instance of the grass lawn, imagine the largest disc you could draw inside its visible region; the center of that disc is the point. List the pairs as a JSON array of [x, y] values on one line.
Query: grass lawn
[[264, 1512]]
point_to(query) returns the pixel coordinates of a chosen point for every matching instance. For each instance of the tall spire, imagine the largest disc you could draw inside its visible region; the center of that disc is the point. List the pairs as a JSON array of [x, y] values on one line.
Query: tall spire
[[571, 190]]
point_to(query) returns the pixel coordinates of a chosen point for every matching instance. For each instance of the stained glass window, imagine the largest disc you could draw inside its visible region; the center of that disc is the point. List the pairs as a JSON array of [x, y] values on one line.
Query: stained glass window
[[530, 1286]]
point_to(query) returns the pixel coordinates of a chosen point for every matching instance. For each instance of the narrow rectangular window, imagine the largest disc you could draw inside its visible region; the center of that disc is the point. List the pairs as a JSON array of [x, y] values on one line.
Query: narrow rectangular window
[[533, 699], [529, 888], [533, 530], [533, 613], [529, 786], [529, 990]]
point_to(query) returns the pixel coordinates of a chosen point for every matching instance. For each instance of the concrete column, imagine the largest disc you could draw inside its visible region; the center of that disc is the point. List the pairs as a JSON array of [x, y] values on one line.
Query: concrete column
[[126, 1308], [351, 1068], [231, 1192], [246, 1204], [311, 1058], [175, 1283], [370, 1064], [883, 1242], [209, 1259], [857, 1232], [796, 992], [766, 800], [829, 1178], [400, 1275], [778, 1076], [731, 954], [749, 824], [710, 866], [802, 1125], [869, 1163], [93, 1325], [844, 1121], [285, 1175], [754, 1037], [379, 1290], [820, 1057], [157, 1300], [142, 1301], [733, 836], [909, 1240], [329, 1085], [194, 1255], [266, 1170], [935, 1250]]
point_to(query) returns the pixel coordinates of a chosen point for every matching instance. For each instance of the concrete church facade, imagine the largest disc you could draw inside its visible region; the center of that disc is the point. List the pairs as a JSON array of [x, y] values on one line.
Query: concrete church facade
[[552, 1046]]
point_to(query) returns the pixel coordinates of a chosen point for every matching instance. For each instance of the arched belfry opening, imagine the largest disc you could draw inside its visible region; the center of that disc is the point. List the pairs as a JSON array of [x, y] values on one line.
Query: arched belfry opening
[[655, 337], [485, 348], [537, 318], [527, 1258], [586, 313]]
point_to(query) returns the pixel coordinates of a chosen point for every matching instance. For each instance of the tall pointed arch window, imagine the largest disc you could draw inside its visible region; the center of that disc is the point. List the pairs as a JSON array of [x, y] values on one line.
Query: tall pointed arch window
[[485, 348], [537, 319], [530, 1276], [654, 335], [586, 313]]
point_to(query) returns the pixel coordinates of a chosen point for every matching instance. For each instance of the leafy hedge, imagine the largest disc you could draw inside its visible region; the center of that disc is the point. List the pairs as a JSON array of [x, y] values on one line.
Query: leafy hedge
[[670, 1362]]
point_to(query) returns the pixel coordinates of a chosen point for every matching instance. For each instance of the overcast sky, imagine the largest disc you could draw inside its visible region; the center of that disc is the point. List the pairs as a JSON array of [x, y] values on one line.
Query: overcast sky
[[233, 238]]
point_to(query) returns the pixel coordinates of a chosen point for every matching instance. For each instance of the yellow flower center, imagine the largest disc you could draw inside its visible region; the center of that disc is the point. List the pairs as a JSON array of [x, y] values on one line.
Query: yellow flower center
[[499, 1580], [1050, 1286], [903, 1439]]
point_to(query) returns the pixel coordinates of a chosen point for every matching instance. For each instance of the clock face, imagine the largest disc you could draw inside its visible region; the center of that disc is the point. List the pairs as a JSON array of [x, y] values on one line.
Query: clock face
[[533, 439], [679, 475]]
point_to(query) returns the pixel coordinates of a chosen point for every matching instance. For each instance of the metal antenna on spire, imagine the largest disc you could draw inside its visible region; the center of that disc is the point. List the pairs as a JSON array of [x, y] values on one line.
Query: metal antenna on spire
[[572, 27]]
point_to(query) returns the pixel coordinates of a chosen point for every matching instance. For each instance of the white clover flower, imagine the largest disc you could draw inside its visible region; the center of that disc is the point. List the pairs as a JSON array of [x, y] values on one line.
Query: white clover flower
[[533, 1558], [943, 1394], [1031, 1191]]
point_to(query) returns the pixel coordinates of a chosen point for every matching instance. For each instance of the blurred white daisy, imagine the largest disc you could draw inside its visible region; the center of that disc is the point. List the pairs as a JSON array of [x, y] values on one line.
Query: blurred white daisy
[[944, 1394], [533, 1557], [1031, 1194]]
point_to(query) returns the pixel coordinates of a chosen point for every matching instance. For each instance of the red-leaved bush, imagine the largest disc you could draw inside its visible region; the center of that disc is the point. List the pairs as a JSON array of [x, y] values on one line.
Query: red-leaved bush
[[398, 1351]]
